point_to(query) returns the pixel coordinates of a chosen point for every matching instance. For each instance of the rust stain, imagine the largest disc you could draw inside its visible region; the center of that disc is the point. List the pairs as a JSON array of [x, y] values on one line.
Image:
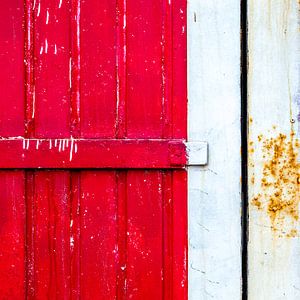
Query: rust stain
[[279, 188]]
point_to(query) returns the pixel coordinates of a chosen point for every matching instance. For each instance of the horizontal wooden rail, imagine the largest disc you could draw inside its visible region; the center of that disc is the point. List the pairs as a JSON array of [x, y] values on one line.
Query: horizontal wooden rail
[[91, 153]]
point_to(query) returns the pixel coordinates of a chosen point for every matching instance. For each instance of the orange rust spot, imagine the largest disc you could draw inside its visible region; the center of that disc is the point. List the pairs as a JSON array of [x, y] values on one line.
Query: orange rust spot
[[260, 137], [280, 181], [293, 233], [256, 202]]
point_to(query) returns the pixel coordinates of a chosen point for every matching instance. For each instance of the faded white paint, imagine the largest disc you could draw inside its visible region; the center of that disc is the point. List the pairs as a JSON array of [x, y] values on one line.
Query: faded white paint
[[274, 245], [214, 116]]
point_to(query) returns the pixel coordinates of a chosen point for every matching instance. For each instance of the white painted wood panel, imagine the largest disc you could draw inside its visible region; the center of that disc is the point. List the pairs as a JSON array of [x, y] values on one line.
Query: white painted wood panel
[[214, 116], [274, 190]]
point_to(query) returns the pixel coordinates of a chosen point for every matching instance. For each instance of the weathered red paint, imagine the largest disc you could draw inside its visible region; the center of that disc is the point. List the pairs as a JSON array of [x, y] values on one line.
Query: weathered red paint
[[107, 220], [92, 153]]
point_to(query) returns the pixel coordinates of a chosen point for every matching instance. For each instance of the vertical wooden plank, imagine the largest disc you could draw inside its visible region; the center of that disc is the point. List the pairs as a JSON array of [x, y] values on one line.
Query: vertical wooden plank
[[144, 68], [214, 116], [12, 68], [180, 235], [98, 68], [121, 194], [179, 73], [12, 235], [48, 235], [98, 235], [53, 68], [144, 235], [75, 229], [274, 56]]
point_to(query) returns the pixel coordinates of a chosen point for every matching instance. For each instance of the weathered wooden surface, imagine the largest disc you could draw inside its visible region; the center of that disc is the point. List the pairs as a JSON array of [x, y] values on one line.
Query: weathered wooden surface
[[85, 71], [274, 195], [214, 116]]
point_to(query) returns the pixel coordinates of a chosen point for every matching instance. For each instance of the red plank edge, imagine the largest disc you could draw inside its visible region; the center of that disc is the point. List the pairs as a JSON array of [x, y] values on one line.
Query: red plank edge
[[92, 153]]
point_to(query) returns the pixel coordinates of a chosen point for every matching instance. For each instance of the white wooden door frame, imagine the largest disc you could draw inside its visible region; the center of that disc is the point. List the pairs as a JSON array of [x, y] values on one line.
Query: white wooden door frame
[[214, 116]]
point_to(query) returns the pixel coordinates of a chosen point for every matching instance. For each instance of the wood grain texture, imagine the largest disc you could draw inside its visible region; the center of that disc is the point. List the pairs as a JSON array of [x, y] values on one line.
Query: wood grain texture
[[273, 149], [214, 116]]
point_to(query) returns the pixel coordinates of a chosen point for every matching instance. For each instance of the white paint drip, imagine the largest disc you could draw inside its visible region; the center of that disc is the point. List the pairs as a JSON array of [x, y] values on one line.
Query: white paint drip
[[55, 49], [76, 149], [55, 143], [63, 144], [24, 145], [37, 144], [41, 50], [59, 147], [34, 3], [60, 3], [50, 144], [27, 144]]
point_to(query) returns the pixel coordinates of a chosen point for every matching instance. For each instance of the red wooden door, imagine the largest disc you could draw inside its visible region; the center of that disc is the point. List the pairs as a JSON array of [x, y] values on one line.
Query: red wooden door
[[92, 123]]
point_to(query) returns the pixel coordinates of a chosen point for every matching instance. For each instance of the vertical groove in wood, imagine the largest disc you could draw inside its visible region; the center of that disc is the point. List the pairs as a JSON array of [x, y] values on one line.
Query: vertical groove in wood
[[167, 254], [179, 235], [167, 68], [121, 197], [121, 57], [75, 226], [29, 69], [75, 67], [30, 228], [179, 72]]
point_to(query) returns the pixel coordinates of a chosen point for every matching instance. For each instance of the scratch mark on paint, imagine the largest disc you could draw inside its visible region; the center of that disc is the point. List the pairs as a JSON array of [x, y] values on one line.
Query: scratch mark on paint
[[71, 148], [39, 9], [33, 103], [47, 17], [70, 72], [46, 45]]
